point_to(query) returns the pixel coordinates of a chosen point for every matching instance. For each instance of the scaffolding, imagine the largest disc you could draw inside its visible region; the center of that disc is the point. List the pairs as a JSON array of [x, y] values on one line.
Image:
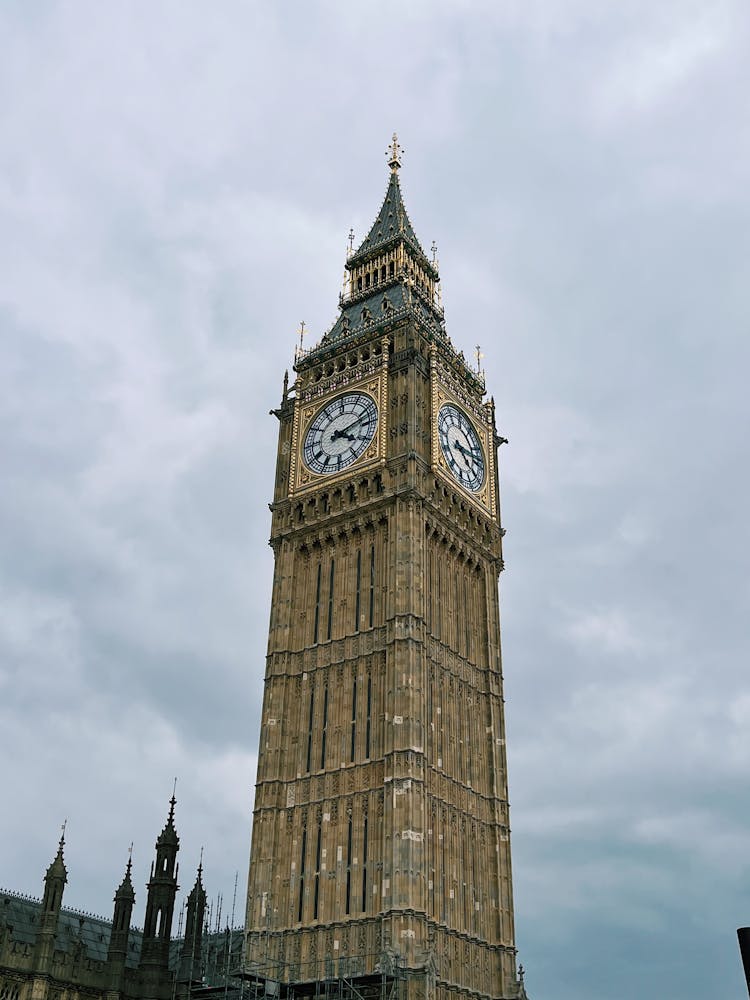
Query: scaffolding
[[344, 979]]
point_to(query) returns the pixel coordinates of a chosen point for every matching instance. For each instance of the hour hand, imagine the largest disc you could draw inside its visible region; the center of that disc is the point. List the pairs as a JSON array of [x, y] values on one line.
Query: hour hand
[[467, 452], [342, 434]]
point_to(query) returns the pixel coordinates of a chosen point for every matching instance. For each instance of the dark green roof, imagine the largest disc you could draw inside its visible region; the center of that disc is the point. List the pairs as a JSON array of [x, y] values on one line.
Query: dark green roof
[[382, 306], [78, 930], [74, 929], [392, 222]]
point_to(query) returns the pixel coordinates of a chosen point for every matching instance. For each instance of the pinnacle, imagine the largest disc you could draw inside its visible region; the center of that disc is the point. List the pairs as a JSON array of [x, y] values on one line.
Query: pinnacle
[[392, 220], [169, 834], [125, 889], [57, 868]]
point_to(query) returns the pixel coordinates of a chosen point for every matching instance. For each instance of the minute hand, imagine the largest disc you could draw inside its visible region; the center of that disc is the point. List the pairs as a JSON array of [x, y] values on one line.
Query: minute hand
[[342, 432], [469, 452]]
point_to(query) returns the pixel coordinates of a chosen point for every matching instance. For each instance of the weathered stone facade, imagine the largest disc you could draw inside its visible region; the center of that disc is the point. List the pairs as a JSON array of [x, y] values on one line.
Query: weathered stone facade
[[381, 829]]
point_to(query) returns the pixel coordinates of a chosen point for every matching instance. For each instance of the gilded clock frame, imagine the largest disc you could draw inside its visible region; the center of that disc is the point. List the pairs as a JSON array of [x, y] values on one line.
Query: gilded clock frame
[[480, 415], [308, 405]]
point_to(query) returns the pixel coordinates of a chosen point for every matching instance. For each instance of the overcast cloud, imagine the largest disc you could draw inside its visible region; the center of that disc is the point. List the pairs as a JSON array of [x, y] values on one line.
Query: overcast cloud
[[177, 181]]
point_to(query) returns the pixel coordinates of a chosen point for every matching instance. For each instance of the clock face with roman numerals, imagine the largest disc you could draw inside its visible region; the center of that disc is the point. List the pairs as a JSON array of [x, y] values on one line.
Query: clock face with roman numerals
[[461, 447], [340, 432]]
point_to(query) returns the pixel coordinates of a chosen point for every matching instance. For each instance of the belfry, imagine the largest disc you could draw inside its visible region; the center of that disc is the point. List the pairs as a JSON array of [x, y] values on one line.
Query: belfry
[[380, 858]]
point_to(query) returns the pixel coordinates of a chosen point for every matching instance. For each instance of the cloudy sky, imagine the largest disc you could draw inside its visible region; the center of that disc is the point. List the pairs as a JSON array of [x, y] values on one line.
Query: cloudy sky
[[177, 181]]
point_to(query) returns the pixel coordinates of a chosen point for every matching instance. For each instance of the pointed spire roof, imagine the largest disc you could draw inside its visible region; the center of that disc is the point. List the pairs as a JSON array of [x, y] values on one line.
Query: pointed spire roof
[[404, 284], [57, 869], [198, 892], [169, 834], [392, 221], [125, 889]]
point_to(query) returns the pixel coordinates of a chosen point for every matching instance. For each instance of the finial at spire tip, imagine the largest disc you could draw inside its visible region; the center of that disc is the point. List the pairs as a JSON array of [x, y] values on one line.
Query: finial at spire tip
[[395, 152]]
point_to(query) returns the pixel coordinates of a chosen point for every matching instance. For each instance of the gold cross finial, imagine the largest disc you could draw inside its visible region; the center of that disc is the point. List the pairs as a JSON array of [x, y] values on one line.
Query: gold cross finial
[[394, 152], [301, 333], [433, 248], [351, 243], [478, 354]]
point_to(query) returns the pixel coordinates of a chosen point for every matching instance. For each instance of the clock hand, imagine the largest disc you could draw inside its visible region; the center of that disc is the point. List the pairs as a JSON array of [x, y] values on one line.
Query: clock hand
[[469, 452], [343, 431], [466, 452]]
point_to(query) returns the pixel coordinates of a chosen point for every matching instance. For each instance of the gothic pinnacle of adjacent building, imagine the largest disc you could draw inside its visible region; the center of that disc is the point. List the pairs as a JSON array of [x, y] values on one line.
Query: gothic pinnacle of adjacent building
[[157, 927], [48, 952], [54, 886], [381, 828], [117, 952], [190, 961]]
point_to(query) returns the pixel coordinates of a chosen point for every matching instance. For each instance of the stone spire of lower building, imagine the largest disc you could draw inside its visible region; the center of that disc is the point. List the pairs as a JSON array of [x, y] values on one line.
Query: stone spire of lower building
[[54, 886]]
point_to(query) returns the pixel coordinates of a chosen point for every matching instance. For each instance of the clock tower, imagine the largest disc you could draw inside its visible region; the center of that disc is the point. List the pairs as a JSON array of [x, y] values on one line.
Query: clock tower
[[380, 853]]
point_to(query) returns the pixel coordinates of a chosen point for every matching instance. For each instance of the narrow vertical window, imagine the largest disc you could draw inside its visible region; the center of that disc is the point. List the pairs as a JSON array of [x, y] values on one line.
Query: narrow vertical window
[[467, 620], [316, 899], [302, 875], [349, 867], [317, 606], [372, 585], [456, 612], [354, 721], [428, 594], [439, 600], [443, 894], [310, 729], [330, 601], [367, 721], [439, 714], [474, 889], [430, 721], [325, 728], [358, 599], [364, 867], [451, 768]]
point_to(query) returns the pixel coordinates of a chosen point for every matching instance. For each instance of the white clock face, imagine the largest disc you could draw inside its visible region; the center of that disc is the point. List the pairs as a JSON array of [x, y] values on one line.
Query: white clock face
[[340, 433], [461, 447]]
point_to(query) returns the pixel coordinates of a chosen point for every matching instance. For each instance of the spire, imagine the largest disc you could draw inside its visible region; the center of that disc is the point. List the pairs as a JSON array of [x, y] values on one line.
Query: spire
[[389, 276], [57, 869], [169, 834], [118, 939], [125, 889], [190, 960], [162, 888], [392, 221], [54, 887], [198, 892]]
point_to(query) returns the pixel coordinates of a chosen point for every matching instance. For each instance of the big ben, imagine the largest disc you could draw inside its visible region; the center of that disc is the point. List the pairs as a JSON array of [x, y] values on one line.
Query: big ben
[[380, 849]]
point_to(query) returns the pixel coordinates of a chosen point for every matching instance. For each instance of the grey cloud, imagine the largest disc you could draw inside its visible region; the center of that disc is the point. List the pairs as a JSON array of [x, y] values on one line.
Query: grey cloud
[[176, 185]]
